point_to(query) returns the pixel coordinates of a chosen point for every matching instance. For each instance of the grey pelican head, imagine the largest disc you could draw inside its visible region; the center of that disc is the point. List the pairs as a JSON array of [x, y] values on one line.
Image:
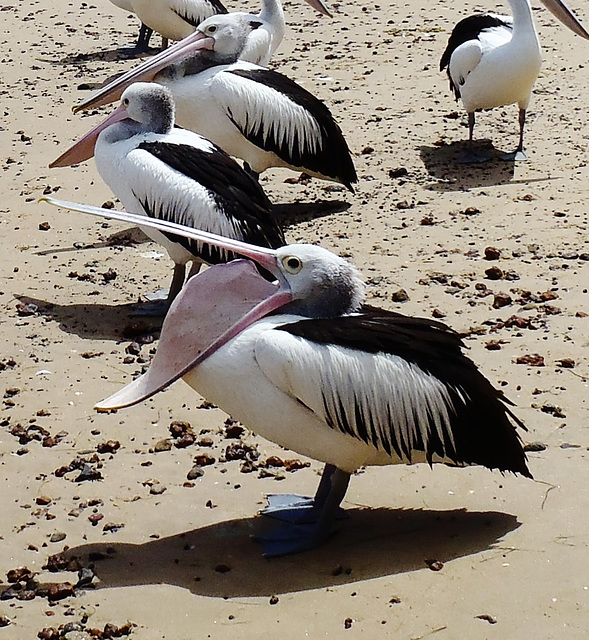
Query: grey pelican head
[[145, 107]]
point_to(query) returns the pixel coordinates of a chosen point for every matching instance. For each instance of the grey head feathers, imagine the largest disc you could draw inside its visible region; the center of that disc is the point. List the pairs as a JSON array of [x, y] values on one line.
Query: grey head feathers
[[151, 105], [323, 285]]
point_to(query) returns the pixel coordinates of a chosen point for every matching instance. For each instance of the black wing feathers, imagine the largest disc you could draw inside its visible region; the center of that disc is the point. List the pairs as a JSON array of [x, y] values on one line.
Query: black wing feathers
[[196, 20], [334, 161], [469, 29], [482, 426], [237, 194]]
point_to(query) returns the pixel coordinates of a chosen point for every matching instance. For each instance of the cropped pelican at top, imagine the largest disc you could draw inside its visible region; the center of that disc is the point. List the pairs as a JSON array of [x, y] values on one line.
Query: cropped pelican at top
[[252, 113], [494, 60], [176, 19], [172, 174], [304, 363]]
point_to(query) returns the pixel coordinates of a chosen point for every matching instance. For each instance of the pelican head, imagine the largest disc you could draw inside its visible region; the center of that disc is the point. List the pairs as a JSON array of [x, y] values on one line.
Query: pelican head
[[145, 107], [150, 105], [322, 284], [223, 36], [229, 34]]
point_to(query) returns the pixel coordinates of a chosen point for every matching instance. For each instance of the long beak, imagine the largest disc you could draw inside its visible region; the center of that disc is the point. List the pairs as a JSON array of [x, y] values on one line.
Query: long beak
[[264, 256], [147, 70], [321, 6], [212, 308], [83, 149], [560, 10]]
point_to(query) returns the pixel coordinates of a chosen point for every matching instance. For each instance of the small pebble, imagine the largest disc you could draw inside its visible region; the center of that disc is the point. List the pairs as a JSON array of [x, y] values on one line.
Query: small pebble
[[400, 296], [58, 536], [162, 445], [195, 472], [535, 446], [434, 565], [157, 489], [491, 253]]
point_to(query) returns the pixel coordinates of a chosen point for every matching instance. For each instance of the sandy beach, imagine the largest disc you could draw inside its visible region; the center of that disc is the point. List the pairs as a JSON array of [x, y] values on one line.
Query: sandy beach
[[498, 251]]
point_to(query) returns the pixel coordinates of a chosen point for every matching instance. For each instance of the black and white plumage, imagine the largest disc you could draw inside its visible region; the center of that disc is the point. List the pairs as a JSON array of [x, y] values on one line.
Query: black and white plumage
[[475, 27], [494, 60], [304, 363], [252, 113], [176, 175]]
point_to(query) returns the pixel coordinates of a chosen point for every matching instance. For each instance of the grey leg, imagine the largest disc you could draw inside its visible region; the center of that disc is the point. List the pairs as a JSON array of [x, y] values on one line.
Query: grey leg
[[472, 155], [254, 174], [324, 485], [293, 508], [519, 155], [194, 269], [470, 127], [143, 41], [158, 306], [294, 538], [177, 282]]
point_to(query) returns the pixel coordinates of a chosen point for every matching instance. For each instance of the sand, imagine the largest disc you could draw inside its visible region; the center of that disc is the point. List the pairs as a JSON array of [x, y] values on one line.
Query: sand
[[443, 553]]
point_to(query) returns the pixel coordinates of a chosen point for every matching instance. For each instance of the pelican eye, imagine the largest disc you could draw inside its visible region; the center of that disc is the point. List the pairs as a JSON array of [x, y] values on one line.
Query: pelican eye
[[212, 28], [125, 102], [292, 264]]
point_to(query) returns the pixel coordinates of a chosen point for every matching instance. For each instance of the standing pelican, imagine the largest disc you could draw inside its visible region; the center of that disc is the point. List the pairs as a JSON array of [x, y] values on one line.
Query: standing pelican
[[494, 60], [252, 113], [172, 174], [305, 364]]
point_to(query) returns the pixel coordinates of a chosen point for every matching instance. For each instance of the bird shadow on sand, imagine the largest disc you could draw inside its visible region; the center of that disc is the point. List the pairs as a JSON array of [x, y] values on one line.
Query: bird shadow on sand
[[293, 213], [127, 238], [95, 320], [221, 560], [104, 55], [444, 163]]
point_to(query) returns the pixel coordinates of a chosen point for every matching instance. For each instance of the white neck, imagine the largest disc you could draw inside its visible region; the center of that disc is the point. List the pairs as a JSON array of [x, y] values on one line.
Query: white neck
[[522, 16], [272, 12]]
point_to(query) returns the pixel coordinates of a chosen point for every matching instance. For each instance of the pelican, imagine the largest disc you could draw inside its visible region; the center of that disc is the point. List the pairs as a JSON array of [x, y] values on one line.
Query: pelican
[[252, 113], [304, 363], [144, 31], [163, 172], [176, 19], [494, 60]]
